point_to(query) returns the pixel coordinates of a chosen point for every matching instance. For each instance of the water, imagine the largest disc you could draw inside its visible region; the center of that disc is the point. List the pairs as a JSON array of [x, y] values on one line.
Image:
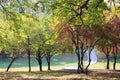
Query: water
[[60, 60]]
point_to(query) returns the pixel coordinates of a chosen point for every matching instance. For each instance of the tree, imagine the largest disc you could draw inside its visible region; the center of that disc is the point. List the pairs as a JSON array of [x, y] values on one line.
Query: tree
[[83, 17], [114, 30], [104, 43], [20, 15], [14, 39], [43, 39], [109, 34], [48, 53], [18, 30], [79, 13], [39, 57], [107, 53], [15, 20], [82, 40]]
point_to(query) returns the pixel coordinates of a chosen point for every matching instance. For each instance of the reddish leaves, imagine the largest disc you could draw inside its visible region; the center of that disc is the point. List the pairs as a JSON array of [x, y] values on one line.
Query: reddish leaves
[[113, 27], [77, 35]]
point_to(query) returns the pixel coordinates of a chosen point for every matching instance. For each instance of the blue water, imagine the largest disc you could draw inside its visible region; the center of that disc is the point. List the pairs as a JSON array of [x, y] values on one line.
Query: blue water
[[60, 60]]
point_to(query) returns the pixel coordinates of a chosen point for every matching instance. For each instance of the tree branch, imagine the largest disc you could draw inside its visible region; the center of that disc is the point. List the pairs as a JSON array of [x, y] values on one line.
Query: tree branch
[[80, 9], [85, 4], [99, 3]]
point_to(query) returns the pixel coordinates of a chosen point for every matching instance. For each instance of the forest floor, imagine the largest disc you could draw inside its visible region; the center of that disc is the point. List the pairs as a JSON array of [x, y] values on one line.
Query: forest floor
[[94, 74]]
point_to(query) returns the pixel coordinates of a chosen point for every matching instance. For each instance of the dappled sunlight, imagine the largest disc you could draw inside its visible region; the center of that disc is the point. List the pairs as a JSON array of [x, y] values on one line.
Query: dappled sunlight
[[59, 39], [95, 74]]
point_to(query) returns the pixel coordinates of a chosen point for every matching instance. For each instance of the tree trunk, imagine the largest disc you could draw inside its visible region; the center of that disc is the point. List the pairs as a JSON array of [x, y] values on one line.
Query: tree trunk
[[114, 64], [78, 70], [106, 52], [82, 55], [86, 70], [40, 64], [29, 60], [11, 64], [39, 59], [107, 66], [48, 57], [48, 61], [49, 65], [78, 56], [29, 54], [115, 56], [79, 65]]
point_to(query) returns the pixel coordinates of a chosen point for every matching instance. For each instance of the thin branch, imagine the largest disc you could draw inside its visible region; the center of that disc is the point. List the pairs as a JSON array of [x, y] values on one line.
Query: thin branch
[[85, 50], [81, 20], [95, 42], [99, 3], [103, 51], [85, 4], [80, 8], [73, 37]]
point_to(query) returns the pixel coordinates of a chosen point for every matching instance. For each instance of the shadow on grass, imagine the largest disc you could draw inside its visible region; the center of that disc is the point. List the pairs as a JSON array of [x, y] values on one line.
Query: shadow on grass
[[56, 73], [44, 75], [106, 74], [99, 74]]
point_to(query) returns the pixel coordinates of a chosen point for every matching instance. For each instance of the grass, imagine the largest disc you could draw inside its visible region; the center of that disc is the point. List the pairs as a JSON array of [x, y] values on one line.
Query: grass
[[60, 75]]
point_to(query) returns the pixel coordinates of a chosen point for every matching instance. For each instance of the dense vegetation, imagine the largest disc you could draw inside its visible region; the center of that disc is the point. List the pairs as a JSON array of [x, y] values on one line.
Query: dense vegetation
[[44, 28]]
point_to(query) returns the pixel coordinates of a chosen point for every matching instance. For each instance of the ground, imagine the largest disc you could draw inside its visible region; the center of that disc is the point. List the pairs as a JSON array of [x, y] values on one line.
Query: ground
[[94, 74], [19, 70]]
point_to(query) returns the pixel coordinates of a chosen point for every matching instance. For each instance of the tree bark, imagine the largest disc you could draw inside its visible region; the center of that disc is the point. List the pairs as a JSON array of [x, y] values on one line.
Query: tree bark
[[82, 61], [114, 64], [78, 56], [48, 61], [79, 64], [115, 56], [106, 52], [29, 54], [49, 65], [82, 55], [29, 60], [107, 66], [86, 70], [11, 64], [40, 64], [48, 57], [39, 59]]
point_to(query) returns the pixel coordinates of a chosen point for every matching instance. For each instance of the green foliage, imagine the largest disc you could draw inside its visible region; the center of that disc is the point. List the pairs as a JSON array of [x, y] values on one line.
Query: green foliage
[[70, 10], [21, 18]]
